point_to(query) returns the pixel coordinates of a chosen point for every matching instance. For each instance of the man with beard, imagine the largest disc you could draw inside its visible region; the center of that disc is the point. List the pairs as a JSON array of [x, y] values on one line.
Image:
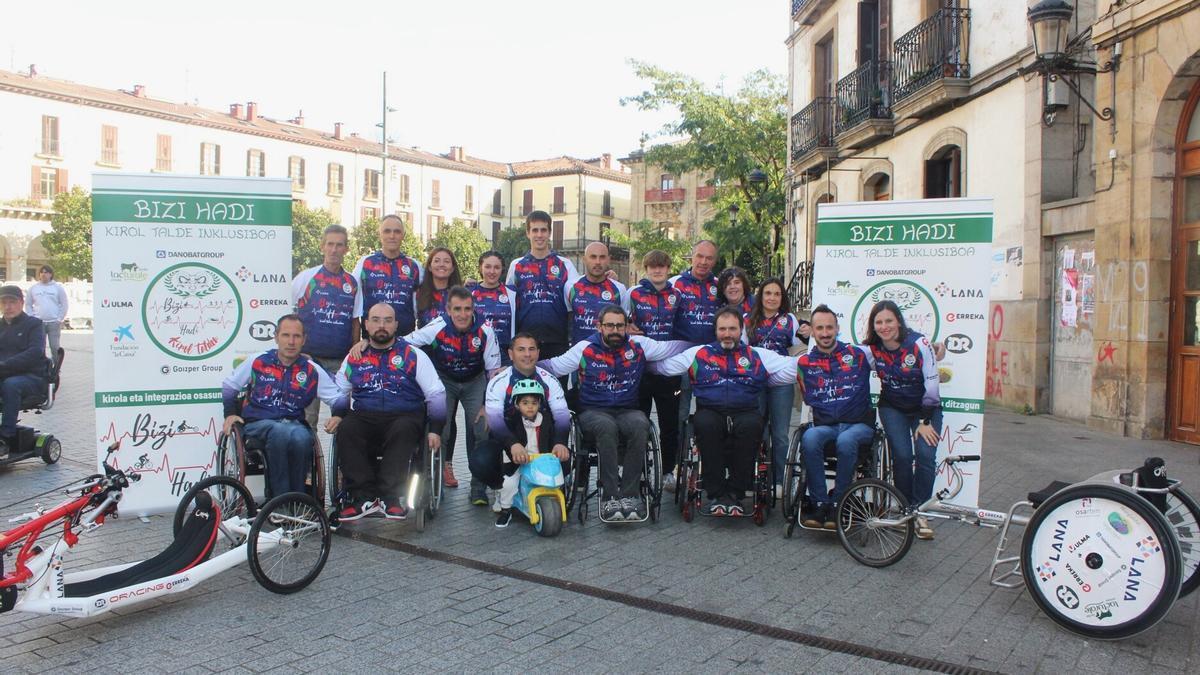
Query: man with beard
[[386, 385], [727, 377], [610, 365]]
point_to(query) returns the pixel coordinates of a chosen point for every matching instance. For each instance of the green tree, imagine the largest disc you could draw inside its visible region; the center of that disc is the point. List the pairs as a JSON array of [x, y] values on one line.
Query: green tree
[[467, 243], [364, 240], [729, 136], [69, 241], [645, 236], [307, 227], [512, 243]]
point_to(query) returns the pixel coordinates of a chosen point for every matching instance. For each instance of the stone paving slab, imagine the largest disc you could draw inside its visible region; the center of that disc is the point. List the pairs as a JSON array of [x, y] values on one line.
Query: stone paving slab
[[379, 609]]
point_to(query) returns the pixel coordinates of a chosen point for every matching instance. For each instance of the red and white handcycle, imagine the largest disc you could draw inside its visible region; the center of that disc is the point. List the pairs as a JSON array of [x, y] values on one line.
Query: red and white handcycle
[[286, 543]]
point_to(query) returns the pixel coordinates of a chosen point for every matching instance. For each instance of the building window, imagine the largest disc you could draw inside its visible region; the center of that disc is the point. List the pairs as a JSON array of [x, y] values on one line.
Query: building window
[[435, 199], [370, 184], [666, 182], [606, 206], [560, 200], [210, 159], [556, 229], [50, 136], [877, 188], [605, 233], [108, 145], [405, 194], [943, 173], [497, 203], [469, 199], [405, 218], [47, 182], [526, 202], [335, 180], [162, 153], [369, 212], [296, 172], [435, 224], [256, 163], [495, 230]]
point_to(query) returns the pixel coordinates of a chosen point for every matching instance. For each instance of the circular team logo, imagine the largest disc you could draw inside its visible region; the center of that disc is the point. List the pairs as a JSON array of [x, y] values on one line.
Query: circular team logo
[[910, 360], [919, 309], [397, 360], [671, 299], [475, 342], [782, 322], [712, 292], [503, 299], [744, 362], [606, 295], [629, 354], [191, 311], [404, 269], [554, 270], [847, 359], [347, 288], [301, 377]]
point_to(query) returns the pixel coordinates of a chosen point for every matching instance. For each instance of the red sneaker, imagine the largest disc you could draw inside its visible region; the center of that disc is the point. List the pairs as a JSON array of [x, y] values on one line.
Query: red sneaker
[[448, 478]]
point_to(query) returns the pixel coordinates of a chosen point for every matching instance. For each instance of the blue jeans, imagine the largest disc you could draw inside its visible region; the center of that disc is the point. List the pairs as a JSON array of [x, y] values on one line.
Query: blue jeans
[[776, 403], [12, 390], [288, 446], [900, 429], [847, 438]]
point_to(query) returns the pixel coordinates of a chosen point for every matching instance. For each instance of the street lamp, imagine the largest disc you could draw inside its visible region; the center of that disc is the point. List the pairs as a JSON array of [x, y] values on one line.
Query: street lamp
[[1050, 21]]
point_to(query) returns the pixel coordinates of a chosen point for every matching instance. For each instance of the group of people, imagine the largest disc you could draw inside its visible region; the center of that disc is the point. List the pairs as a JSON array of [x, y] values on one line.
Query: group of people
[[503, 350]]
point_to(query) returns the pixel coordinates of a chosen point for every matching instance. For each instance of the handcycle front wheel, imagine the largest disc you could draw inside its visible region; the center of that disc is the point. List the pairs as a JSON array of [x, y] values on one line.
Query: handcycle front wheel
[[868, 541], [228, 495], [1184, 516], [288, 543], [1101, 561]]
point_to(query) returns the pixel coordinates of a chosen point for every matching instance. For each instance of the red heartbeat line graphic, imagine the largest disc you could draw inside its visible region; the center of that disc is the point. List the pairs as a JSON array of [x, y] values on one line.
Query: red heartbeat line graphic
[[165, 465], [950, 445], [151, 434]]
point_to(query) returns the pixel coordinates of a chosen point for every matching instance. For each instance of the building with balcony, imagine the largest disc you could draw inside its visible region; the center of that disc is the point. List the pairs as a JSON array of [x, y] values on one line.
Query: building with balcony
[[683, 204], [924, 99], [57, 133]]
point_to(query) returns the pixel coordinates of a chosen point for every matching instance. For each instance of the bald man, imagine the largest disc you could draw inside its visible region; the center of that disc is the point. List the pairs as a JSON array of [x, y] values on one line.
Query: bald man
[[592, 292], [389, 276]]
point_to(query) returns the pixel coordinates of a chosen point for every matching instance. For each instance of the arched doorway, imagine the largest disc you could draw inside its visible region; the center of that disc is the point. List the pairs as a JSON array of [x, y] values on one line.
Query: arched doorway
[[1183, 422]]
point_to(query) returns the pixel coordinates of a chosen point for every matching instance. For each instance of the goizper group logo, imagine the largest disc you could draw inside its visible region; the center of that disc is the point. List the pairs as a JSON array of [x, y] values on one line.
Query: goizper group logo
[[915, 303], [191, 311]]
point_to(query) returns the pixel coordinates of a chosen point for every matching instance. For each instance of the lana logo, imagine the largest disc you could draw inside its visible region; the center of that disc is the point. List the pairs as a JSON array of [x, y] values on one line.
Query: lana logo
[[262, 331], [1067, 597], [958, 343]]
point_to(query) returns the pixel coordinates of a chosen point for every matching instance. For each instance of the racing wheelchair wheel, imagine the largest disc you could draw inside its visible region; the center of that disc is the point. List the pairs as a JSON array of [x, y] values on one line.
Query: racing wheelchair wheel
[[1101, 561], [550, 517], [228, 495], [50, 448], [288, 543], [868, 542], [793, 483], [1184, 516]]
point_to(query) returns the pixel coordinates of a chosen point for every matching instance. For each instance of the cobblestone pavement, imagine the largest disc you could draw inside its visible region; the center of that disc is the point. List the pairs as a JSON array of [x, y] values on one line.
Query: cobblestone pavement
[[375, 608]]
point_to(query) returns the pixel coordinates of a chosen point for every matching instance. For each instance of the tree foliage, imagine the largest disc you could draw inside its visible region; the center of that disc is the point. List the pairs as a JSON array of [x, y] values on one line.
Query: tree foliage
[[69, 241], [307, 227], [512, 243], [645, 236], [467, 243], [364, 240], [729, 136]]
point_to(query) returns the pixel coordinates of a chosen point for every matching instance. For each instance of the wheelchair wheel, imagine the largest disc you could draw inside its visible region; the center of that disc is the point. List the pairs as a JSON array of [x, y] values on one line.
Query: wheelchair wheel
[[316, 482], [333, 477], [793, 484], [884, 469], [654, 475], [571, 482], [1184, 516], [1101, 561], [50, 448], [228, 495], [231, 455], [870, 543], [764, 486], [550, 520], [288, 543], [434, 491]]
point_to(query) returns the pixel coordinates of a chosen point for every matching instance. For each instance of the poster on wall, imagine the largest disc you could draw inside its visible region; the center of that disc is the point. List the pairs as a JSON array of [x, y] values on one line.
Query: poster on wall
[[933, 259], [185, 268]]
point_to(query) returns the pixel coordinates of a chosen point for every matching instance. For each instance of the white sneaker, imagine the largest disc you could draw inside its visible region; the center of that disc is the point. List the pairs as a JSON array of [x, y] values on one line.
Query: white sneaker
[[779, 491], [496, 508], [669, 482]]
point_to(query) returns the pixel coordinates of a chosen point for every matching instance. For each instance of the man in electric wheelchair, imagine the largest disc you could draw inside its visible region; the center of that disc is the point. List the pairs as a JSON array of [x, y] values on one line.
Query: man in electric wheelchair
[[727, 377], [611, 364], [386, 396], [268, 394], [23, 363]]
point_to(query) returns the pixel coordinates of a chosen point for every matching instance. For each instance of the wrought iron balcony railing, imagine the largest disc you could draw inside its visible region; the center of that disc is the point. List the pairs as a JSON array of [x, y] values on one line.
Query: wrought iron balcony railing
[[800, 286], [668, 195], [864, 94], [937, 48], [812, 127]]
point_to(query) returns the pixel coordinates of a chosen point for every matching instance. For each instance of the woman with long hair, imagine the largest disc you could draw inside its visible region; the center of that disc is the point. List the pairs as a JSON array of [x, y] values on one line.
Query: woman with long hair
[[910, 405], [495, 302], [771, 325], [441, 273], [733, 288]]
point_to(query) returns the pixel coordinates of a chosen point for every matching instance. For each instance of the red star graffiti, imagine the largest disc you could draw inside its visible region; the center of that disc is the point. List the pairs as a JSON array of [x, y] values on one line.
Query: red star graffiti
[[1106, 353]]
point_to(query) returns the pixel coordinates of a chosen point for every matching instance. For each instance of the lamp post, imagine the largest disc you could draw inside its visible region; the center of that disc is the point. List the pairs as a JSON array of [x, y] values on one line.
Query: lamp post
[[758, 186], [1050, 21]]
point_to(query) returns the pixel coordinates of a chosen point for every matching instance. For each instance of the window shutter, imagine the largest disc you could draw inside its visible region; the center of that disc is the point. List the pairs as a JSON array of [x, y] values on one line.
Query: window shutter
[[955, 162], [35, 189], [60, 181]]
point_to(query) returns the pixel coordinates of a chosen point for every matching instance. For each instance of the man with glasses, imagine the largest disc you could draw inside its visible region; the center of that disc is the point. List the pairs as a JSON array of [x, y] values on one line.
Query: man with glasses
[[611, 364]]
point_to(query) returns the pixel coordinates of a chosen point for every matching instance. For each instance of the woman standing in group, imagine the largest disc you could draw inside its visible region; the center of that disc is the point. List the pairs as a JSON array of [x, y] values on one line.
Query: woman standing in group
[[771, 325], [495, 303], [441, 273], [910, 406], [733, 287]]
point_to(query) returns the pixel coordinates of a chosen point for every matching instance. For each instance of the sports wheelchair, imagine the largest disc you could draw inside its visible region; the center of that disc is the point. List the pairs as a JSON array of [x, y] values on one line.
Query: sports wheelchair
[[424, 494], [689, 486], [244, 459], [30, 441], [874, 461], [584, 488]]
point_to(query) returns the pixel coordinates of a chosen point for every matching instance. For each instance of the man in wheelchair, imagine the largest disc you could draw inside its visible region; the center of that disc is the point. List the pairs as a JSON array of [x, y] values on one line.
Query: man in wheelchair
[[22, 362], [727, 377], [388, 393], [611, 364], [268, 394], [836, 380]]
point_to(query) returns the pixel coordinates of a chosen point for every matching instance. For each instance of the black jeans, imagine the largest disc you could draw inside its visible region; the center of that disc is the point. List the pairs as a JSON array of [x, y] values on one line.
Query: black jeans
[[728, 440], [663, 393], [363, 436]]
